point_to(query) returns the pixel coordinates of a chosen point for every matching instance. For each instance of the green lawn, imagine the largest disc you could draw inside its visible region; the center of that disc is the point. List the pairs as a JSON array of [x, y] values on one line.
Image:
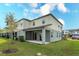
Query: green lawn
[[60, 48]]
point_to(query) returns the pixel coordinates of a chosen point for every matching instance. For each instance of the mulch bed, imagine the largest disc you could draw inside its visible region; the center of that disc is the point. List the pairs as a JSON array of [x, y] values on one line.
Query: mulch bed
[[12, 43], [9, 51]]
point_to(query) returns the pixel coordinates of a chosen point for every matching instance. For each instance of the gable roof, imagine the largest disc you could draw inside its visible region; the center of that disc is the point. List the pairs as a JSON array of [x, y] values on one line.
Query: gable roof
[[56, 19], [23, 19], [41, 17]]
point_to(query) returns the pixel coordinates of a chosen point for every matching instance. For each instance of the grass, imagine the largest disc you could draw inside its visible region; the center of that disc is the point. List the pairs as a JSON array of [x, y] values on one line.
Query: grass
[[60, 48]]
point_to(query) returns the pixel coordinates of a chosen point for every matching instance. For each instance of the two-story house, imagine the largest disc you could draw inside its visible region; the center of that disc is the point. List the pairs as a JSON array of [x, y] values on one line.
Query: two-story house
[[41, 30]]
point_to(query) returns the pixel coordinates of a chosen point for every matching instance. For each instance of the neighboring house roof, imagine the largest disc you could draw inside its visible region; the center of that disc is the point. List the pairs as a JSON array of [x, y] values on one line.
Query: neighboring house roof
[[41, 17], [37, 27], [73, 30]]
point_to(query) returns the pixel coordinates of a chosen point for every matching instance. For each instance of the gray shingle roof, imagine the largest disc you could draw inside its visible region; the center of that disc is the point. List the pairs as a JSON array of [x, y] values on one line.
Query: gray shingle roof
[[41, 17]]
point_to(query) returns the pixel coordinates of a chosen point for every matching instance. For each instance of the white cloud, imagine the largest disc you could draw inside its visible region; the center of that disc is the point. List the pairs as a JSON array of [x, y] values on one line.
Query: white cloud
[[61, 7], [47, 8], [53, 5], [34, 5], [25, 12], [36, 11], [61, 20], [7, 4]]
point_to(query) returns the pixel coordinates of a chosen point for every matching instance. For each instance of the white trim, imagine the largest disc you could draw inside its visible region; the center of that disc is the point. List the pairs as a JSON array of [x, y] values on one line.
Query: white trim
[[38, 42], [43, 35]]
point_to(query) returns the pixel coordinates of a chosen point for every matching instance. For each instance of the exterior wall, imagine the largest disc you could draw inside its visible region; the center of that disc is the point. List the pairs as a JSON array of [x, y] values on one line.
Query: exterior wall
[[55, 29], [39, 21], [21, 33], [22, 25], [47, 35], [48, 20], [56, 36], [26, 24], [55, 24]]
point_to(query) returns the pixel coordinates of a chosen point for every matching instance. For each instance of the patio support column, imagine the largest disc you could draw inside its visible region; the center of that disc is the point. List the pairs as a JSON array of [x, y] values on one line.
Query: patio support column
[[43, 35], [38, 37]]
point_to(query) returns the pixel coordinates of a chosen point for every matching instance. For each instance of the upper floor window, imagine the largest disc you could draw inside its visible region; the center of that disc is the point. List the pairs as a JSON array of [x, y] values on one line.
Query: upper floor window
[[33, 23], [16, 25], [21, 24], [43, 22], [59, 27]]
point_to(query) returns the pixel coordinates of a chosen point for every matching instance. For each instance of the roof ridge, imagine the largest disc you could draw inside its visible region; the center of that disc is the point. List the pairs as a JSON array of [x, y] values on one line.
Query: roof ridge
[[41, 17]]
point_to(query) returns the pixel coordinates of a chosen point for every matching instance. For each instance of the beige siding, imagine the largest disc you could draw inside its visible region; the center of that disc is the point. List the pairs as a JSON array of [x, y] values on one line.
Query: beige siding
[[48, 20], [21, 33], [54, 25], [55, 28], [22, 24], [39, 21]]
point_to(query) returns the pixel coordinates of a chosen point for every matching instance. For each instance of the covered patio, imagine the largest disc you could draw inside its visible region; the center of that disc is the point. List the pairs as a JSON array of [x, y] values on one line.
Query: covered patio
[[37, 35]]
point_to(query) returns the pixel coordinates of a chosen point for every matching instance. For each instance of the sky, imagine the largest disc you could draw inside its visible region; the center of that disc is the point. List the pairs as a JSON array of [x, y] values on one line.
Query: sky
[[66, 13]]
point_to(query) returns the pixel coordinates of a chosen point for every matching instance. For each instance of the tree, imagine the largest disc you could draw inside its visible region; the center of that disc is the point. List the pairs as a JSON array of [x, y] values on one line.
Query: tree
[[10, 22], [1, 30]]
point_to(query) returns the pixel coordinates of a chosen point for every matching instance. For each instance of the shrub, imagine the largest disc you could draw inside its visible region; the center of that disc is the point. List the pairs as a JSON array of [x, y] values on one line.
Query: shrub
[[21, 38], [65, 37], [16, 38]]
